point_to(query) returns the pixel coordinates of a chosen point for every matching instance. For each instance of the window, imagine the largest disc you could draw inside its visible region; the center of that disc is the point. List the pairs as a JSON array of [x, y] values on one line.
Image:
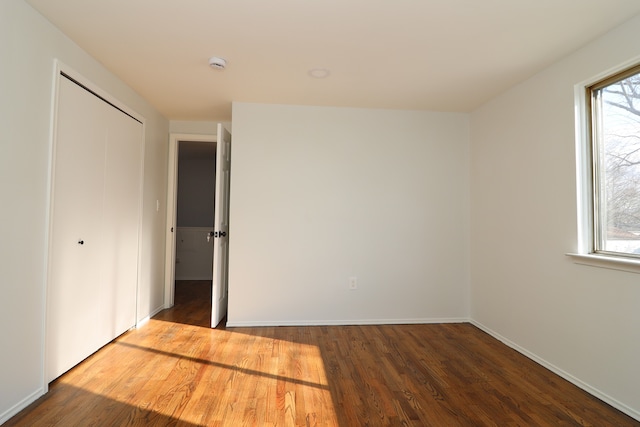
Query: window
[[614, 123]]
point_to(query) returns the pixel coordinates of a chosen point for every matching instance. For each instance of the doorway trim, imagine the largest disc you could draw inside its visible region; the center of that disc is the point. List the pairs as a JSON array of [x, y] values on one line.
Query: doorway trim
[[172, 205]]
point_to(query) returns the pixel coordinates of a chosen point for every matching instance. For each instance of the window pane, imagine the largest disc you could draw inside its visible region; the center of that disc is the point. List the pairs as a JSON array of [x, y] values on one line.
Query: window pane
[[617, 166]]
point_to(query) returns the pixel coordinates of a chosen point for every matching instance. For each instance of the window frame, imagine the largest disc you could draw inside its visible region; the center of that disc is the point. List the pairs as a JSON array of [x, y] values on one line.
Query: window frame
[[588, 252]]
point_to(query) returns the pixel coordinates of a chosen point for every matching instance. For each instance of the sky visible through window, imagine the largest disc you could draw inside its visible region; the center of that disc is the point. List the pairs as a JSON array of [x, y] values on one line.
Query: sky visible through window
[[618, 166]]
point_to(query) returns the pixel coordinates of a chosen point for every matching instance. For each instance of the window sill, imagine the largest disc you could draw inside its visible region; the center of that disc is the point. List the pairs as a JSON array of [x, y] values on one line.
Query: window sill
[[607, 261]]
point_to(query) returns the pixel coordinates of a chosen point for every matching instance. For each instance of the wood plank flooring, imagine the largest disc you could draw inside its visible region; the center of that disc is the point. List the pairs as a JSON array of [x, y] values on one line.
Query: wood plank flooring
[[175, 371]]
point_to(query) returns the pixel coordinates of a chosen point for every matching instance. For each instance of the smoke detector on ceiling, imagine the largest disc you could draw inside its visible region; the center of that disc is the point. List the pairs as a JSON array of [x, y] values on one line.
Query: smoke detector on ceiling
[[217, 63]]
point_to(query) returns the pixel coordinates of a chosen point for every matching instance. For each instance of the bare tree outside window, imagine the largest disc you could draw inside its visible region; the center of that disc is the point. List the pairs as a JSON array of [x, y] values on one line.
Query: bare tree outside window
[[616, 151]]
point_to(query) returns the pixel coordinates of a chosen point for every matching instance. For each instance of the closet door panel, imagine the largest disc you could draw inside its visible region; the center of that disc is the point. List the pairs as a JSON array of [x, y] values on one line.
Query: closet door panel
[[77, 210], [121, 219]]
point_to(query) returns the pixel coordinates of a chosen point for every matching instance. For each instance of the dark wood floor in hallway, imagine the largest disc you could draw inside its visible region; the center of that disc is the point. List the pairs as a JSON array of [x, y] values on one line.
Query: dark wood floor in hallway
[[175, 371]]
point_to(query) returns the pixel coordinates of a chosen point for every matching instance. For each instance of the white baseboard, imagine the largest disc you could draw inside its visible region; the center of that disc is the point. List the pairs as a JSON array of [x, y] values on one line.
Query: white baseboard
[[146, 319], [350, 322], [567, 376], [4, 417]]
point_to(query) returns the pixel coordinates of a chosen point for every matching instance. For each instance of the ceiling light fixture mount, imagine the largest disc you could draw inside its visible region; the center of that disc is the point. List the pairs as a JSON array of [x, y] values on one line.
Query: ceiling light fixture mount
[[217, 63], [319, 73]]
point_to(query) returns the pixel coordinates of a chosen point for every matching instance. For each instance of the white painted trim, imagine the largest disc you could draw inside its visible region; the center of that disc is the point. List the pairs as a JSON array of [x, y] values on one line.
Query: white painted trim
[[584, 191], [171, 226], [53, 123], [584, 167], [172, 193], [57, 68], [144, 320], [62, 67], [350, 322], [4, 417], [562, 373], [631, 265], [140, 214]]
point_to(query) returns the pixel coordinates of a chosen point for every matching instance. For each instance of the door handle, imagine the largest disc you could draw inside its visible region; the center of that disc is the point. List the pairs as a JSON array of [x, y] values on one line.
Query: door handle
[[81, 242]]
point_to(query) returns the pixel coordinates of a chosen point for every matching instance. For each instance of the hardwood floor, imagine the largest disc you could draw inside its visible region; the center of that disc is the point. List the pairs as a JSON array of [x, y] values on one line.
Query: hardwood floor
[[176, 371]]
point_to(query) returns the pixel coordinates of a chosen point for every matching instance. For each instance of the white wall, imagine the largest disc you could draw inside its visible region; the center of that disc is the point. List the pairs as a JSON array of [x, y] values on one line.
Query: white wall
[[320, 194], [194, 254], [582, 321], [28, 46]]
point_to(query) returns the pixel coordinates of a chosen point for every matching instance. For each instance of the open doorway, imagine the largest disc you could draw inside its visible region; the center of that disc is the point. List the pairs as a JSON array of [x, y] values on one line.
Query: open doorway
[[218, 235], [195, 210], [190, 214], [193, 267]]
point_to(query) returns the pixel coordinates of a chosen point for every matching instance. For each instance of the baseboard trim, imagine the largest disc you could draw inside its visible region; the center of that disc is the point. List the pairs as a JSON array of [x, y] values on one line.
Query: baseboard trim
[[343, 322], [147, 318], [4, 417], [558, 371]]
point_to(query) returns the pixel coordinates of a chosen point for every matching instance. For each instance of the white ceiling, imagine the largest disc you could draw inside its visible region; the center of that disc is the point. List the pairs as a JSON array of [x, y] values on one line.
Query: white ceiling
[[444, 55]]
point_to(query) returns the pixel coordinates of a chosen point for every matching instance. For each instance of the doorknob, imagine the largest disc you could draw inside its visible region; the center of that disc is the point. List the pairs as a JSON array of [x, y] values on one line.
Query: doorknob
[[81, 242]]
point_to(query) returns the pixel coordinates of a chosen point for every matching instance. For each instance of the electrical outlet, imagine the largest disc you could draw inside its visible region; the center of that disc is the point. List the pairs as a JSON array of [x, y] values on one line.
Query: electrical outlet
[[353, 283]]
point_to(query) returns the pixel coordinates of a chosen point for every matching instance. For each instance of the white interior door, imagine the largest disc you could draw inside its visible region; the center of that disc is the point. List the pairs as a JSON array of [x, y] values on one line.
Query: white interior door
[[92, 283], [76, 213], [121, 221], [221, 228]]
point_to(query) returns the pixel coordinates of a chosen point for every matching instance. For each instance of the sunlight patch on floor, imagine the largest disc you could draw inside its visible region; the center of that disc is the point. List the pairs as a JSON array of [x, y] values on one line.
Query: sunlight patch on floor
[[205, 376]]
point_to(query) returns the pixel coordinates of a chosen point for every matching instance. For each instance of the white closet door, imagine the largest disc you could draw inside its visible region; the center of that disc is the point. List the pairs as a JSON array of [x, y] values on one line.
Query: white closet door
[[94, 229], [121, 221]]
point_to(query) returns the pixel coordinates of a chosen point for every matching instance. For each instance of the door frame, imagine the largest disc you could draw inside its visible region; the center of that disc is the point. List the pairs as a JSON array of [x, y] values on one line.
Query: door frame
[[172, 206]]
